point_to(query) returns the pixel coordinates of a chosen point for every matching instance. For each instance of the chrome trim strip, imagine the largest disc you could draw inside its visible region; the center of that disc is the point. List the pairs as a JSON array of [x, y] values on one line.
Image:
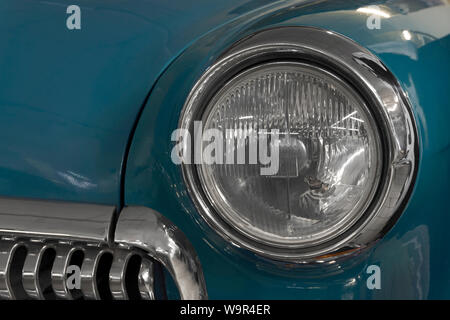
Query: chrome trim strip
[[56, 219], [376, 84], [148, 230]]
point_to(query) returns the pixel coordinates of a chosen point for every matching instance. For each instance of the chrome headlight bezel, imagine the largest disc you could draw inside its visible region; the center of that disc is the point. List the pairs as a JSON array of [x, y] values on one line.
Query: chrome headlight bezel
[[378, 88]]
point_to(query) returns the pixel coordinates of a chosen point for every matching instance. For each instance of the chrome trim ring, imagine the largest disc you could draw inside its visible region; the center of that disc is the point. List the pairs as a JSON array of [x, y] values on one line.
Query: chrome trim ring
[[376, 85]]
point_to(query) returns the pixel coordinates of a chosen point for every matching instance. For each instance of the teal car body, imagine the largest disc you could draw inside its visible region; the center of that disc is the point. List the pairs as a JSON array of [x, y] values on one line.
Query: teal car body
[[87, 115]]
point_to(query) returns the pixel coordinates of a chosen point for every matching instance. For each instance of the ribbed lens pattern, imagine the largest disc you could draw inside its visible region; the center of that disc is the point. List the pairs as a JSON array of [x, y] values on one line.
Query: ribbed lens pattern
[[326, 160]]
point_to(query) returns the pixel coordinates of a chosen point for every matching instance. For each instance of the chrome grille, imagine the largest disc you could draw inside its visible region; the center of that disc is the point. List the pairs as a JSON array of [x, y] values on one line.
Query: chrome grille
[[38, 269], [118, 252]]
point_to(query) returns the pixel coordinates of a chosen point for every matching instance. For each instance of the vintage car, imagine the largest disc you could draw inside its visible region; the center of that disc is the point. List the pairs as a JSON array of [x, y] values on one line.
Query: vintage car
[[239, 149]]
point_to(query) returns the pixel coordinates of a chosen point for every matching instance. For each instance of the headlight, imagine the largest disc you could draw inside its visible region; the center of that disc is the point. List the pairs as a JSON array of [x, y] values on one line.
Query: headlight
[[328, 159], [342, 159]]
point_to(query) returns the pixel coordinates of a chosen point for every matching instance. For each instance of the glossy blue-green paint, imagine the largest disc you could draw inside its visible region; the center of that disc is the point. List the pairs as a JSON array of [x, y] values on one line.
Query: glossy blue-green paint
[[69, 101], [413, 256], [69, 98]]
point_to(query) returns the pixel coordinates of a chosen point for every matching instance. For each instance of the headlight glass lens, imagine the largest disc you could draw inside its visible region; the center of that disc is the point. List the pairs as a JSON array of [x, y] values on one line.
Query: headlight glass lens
[[328, 157]]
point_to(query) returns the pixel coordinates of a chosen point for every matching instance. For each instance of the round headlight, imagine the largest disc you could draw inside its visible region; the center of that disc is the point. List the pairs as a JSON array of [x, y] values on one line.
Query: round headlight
[[307, 146], [326, 168]]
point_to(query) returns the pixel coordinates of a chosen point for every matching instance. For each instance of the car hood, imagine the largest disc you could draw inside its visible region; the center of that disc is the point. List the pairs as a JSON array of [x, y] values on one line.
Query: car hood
[[70, 98]]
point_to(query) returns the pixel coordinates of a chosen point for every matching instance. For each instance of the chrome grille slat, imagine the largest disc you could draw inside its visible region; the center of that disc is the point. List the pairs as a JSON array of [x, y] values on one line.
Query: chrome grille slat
[[30, 271], [7, 250], [62, 259], [146, 280], [117, 275], [89, 273]]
